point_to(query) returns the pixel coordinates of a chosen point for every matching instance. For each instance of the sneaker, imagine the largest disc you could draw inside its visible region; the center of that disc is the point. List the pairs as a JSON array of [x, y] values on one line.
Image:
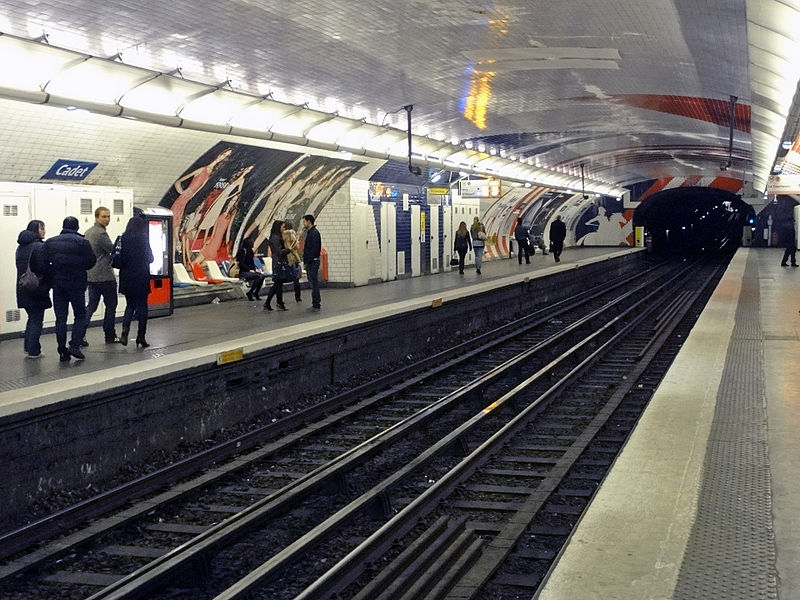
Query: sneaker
[[84, 343], [33, 356], [75, 352], [63, 356], [112, 340]]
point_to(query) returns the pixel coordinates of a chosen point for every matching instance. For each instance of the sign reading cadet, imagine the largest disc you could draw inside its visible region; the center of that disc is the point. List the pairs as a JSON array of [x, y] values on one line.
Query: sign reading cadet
[[69, 170]]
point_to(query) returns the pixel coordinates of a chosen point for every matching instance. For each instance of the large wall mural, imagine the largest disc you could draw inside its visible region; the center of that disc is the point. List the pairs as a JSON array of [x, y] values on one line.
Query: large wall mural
[[234, 190]]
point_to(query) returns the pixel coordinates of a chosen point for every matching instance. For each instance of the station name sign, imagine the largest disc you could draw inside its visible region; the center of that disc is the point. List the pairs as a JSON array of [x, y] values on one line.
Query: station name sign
[[69, 170], [783, 184]]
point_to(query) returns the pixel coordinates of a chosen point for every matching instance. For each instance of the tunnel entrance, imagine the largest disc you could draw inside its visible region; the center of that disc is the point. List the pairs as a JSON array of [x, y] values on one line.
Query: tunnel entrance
[[693, 219]]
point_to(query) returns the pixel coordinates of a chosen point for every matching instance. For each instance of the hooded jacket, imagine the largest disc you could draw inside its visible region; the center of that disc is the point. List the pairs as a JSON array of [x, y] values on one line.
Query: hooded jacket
[[30, 251]]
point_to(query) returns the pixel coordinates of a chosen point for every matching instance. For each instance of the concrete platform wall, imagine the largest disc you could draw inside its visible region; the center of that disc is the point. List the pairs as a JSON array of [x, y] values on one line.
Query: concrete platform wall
[[90, 439]]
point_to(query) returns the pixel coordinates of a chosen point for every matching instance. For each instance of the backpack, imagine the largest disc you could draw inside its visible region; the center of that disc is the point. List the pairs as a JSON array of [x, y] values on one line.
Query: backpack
[[116, 253]]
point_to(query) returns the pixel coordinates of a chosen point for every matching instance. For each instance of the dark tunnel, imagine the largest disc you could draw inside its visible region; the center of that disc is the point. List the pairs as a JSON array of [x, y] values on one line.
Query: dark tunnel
[[692, 219]]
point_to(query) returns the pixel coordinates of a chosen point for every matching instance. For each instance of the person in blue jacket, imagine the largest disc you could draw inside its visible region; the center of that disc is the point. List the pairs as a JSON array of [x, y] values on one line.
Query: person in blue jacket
[[68, 256]]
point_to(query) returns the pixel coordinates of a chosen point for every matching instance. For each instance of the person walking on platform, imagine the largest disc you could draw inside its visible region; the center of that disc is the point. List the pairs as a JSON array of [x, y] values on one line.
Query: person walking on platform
[[478, 234], [280, 268], [102, 282], [134, 278], [292, 243], [789, 243], [68, 257], [462, 243], [558, 233], [521, 234], [247, 269], [312, 250], [30, 252]]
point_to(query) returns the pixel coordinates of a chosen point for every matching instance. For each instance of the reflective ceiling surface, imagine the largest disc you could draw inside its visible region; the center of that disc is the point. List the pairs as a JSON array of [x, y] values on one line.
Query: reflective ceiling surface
[[633, 90]]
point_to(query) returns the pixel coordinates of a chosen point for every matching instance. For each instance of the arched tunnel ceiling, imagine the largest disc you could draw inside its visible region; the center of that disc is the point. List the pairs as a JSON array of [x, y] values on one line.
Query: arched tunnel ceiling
[[632, 90]]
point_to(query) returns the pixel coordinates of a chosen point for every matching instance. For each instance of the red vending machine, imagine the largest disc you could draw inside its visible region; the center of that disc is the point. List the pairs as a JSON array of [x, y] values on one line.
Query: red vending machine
[[159, 227]]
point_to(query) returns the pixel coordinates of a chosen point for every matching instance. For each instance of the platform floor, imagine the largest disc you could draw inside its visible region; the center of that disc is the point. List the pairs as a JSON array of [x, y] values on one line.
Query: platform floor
[[704, 501], [191, 334]]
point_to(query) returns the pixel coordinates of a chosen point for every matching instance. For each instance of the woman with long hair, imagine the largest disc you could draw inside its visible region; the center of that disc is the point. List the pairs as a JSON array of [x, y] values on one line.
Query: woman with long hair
[[291, 242], [134, 278], [29, 252], [462, 243], [478, 234], [280, 267]]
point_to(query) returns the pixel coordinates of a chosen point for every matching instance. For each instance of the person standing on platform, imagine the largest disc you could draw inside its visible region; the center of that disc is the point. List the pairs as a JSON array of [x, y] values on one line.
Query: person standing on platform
[[247, 269], [102, 282], [558, 233], [280, 268], [478, 233], [134, 278], [521, 234], [68, 257], [462, 243], [312, 249], [292, 243], [789, 243], [30, 253]]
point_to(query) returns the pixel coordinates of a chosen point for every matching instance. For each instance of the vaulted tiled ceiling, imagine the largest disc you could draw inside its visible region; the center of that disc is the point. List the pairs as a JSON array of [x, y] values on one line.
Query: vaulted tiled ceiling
[[631, 90]]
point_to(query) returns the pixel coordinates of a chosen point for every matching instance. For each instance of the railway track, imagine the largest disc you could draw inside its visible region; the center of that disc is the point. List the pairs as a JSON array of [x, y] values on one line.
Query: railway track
[[344, 473]]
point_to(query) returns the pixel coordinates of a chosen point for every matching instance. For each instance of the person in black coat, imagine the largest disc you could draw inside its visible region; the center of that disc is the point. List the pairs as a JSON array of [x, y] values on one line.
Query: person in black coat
[[462, 242], [30, 252], [522, 235], [789, 242], [280, 266], [558, 233], [247, 269], [134, 278], [68, 256]]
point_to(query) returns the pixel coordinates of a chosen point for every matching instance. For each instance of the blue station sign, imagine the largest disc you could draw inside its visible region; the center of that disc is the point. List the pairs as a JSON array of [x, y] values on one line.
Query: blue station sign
[[70, 170]]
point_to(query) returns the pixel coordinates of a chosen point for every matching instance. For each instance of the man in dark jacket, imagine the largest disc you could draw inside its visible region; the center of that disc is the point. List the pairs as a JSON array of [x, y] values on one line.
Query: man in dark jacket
[[69, 256], [521, 234], [558, 233], [311, 258], [789, 242]]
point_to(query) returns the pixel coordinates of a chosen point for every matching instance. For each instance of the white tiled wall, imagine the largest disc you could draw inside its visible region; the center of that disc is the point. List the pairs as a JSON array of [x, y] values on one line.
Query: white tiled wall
[[148, 158]]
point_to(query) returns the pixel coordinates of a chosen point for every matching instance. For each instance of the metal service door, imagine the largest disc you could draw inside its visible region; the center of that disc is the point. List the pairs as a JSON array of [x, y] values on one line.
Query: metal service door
[[447, 237], [388, 241], [416, 251], [15, 217], [360, 257], [50, 206], [434, 227]]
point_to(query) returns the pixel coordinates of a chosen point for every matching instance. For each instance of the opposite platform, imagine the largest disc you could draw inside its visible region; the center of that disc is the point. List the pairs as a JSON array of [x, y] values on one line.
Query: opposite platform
[[704, 501], [194, 335]]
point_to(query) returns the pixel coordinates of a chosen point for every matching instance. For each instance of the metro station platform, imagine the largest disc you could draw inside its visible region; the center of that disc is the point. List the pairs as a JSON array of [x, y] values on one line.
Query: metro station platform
[[192, 334], [704, 500]]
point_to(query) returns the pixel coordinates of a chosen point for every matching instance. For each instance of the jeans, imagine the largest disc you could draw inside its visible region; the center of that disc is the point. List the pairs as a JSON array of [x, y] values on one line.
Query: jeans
[[62, 299], [33, 331], [478, 256], [312, 272], [108, 291]]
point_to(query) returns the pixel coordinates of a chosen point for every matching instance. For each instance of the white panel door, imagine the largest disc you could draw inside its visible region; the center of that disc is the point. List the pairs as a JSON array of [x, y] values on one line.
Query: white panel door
[[359, 244], [416, 254], [14, 218], [388, 241], [436, 259], [120, 203], [50, 206], [447, 233], [81, 203]]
